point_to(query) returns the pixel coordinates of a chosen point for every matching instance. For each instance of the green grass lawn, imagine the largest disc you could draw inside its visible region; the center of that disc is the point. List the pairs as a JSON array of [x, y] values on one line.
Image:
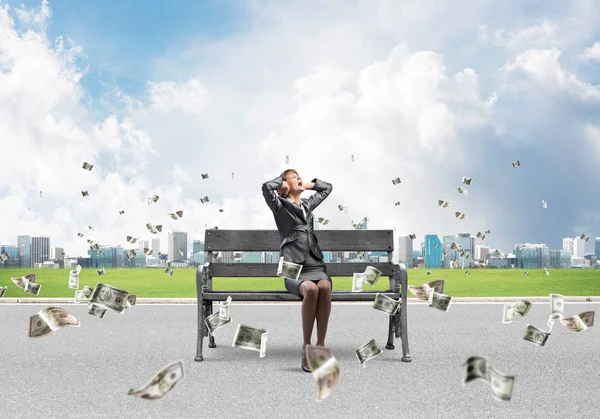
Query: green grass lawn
[[154, 283]]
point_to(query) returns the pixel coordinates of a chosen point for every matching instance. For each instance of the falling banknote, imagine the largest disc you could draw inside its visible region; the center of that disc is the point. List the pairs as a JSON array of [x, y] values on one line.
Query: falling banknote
[[251, 338], [579, 322], [386, 304], [325, 369], [214, 321], [368, 351], [440, 301], [520, 307], [370, 275], [74, 278], [224, 308], [109, 297], [163, 382], [49, 320], [558, 309], [20, 282], [32, 288], [97, 310], [535, 335], [169, 271], [477, 367], [3, 291], [83, 295], [288, 270]]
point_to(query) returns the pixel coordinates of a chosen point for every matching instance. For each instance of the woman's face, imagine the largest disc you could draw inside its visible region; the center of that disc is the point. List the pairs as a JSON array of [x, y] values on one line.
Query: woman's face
[[295, 183]]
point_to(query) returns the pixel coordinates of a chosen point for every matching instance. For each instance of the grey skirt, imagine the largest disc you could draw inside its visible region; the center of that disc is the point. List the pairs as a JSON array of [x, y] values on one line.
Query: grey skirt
[[312, 270]]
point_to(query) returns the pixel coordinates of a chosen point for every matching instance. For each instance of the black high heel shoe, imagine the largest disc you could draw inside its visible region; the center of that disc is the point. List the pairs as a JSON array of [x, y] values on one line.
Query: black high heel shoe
[[305, 368]]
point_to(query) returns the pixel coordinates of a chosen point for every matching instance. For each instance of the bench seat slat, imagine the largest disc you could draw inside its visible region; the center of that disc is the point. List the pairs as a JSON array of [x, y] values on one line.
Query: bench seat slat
[[285, 296], [248, 270]]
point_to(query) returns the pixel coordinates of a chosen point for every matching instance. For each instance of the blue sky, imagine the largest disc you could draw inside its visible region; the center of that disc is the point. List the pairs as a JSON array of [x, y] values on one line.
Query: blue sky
[[428, 91]]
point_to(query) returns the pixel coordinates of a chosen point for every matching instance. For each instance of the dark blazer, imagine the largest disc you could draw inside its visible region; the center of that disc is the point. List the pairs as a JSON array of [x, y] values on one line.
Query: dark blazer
[[296, 232]]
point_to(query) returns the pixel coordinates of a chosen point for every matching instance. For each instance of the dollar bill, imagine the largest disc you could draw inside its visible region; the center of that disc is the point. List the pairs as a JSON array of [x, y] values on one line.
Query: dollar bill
[[48, 320], [386, 304], [371, 275], [3, 291], [325, 369], [74, 277], [558, 306], [131, 300], [579, 322], [100, 271], [357, 282], [437, 285], [20, 282], [422, 292], [477, 367], [288, 270], [440, 301], [97, 310], [109, 297], [368, 351], [535, 335], [224, 308], [83, 295], [162, 383], [214, 321], [520, 307], [32, 288], [169, 271], [251, 338]]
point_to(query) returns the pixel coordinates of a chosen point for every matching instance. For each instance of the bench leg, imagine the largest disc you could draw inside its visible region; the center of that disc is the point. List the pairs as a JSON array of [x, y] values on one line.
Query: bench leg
[[390, 341], [201, 313], [403, 328], [201, 327], [211, 337]]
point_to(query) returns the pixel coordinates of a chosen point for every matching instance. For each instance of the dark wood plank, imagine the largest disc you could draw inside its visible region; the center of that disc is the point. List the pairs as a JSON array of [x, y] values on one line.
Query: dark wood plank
[[285, 296], [329, 240], [249, 270]]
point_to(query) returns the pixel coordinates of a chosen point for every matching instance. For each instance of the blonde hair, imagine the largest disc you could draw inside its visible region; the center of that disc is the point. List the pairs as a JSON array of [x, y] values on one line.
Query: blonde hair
[[287, 172]]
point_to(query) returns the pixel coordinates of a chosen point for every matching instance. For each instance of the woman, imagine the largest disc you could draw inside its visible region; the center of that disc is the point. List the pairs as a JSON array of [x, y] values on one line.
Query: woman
[[299, 244]]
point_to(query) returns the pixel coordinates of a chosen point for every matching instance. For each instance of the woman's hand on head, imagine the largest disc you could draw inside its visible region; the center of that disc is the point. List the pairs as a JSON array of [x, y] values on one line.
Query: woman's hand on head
[[283, 191]]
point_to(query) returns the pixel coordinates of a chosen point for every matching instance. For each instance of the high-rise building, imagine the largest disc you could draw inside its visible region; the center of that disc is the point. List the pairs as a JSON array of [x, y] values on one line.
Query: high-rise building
[[197, 247], [560, 259], [56, 253], [156, 246], [578, 247], [597, 248], [481, 252], [109, 257], [423, 249], [177, 246], [13, 252], [568, 244], [143, 244], [40, 249], [464, 240], [433, 251], [405, 251], [448, 251], [532, 256], [24, 245]]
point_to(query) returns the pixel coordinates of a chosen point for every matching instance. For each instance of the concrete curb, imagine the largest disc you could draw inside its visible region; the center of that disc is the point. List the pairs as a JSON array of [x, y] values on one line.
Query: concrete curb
[[188, 301]]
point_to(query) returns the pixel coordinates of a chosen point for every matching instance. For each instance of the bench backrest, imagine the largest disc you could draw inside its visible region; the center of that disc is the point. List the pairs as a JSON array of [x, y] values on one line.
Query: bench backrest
[[269, 240]]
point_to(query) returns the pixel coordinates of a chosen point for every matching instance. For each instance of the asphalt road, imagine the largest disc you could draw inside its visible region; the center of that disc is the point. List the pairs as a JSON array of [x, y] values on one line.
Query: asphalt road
[[86, 372]]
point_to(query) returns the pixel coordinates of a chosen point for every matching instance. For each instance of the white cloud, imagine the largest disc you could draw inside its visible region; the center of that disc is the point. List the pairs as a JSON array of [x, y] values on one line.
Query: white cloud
[[591, 53], [187, 97], [539, 34]]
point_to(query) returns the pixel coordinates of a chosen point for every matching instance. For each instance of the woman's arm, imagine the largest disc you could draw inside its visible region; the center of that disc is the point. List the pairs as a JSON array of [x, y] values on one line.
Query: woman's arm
[[323, 190], [269, 190]]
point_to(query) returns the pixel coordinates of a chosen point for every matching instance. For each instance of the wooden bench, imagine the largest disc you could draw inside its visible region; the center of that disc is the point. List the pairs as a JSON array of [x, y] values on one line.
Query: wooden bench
[[269, 240]]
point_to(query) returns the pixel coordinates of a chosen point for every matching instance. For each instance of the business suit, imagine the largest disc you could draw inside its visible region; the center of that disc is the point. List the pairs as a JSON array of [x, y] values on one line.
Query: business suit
[[295, 225]]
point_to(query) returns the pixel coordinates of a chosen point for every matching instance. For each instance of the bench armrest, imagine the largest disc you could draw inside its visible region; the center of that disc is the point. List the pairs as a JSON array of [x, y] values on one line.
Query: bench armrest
[[400, 276], [202, 273]]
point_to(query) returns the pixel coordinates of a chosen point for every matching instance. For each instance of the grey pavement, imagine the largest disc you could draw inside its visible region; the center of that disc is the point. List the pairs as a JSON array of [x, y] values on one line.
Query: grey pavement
[[86, 372]]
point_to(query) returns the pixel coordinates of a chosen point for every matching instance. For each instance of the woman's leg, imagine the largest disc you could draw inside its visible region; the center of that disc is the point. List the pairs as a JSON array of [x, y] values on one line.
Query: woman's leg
[[323, 309], [310, 292]]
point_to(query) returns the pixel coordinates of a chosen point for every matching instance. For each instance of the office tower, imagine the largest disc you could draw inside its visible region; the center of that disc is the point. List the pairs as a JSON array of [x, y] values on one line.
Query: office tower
[[532, 256], [24, 245], [422, 249], [405, 250], [156, 245], [578, 247], [568, 244], [12, 250], [473, 247], [197, 247], [177, 242], [597, 248], [110, 256], [481, 252], [40, 249], [560, 259], [450, 253], [143, 244], [433, 253], [58, 253], [464, 240]]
